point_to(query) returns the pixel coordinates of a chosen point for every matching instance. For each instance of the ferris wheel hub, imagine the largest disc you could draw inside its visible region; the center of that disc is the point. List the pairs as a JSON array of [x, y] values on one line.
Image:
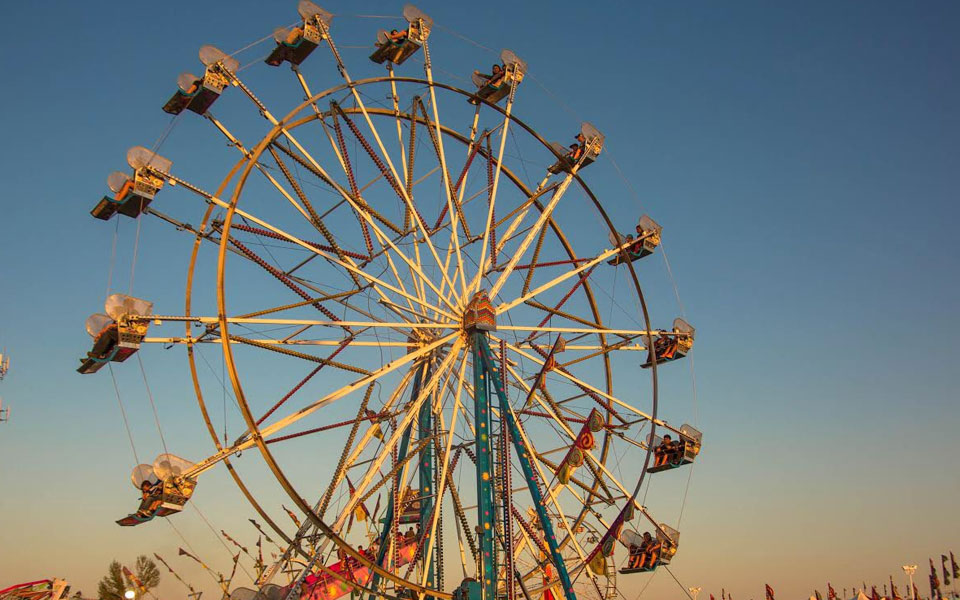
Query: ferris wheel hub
[[479, 314]]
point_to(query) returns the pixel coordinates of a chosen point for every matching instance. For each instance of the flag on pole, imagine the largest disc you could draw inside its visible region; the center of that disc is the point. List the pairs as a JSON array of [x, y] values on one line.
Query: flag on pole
[[946, 573], [769, 591], [175, 574], [831, 593], [712, 598], [723, 594], [133, 579], [894, 594], [934, 583], [916, 592], [953, 565], [817, 594], [873, 593], [292, 516], [360, 512]]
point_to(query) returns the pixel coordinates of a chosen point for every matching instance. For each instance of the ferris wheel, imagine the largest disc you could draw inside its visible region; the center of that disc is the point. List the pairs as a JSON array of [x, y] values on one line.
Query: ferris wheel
[[411, 294]]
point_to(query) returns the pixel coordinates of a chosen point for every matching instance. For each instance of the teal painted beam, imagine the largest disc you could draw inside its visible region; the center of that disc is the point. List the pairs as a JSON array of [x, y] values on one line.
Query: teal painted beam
[[490, 368], [485, 504]]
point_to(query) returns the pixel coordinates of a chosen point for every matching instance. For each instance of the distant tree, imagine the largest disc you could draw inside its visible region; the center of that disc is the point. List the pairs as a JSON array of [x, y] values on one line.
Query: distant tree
[[114, 584], [148, 572]]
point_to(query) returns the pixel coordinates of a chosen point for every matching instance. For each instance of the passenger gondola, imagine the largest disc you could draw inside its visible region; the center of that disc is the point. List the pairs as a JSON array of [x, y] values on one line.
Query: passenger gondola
[[115, 337], [495, 86], [647, 552], [647, 240], [131, 195], [197, 94], [671, 453], [397, 46], [163, 487], [672, 345], [588, 146], [295, 45]]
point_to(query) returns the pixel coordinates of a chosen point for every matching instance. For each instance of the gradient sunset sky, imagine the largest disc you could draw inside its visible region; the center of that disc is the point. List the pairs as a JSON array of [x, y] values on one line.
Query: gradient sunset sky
[[804, 159]]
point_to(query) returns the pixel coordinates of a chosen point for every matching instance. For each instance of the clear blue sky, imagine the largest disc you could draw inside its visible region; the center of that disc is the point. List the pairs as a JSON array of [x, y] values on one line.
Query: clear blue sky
[[805, 159]]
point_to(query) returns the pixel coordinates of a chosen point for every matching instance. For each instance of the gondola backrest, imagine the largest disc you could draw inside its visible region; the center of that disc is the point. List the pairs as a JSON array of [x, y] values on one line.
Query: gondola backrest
[[670, 538], [310, 12], [420, 23], [594, 139]]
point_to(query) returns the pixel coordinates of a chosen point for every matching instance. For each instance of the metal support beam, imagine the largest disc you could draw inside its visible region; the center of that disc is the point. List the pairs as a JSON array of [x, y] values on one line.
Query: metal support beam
[[483, 354], [487, 572]]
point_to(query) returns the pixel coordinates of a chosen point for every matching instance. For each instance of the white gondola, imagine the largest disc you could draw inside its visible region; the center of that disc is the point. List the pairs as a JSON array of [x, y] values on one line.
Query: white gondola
[[396, 47], [163, 487], [647, 555], [497, 85], [115, 337], [131, 195], [295, 45], [648, 238], [199, 93], [589, 146], [674, 344], [673, 453]]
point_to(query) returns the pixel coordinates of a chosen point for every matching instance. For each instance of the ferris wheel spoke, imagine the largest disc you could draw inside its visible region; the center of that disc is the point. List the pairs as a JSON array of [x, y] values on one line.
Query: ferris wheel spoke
[[541, 222], [402, 327], [625, 333], [344, 158], [558, 280], [459, 188], [571, 435], [396, 114], [313, 217], [411, 411], [297, 387], [602, 398], [530, 450], [574, 480], [488, 226], [445, 461], [371, 432], [300, 355], [247, 442], [388, 170], [453, 202], [333, 259], [366, 213]]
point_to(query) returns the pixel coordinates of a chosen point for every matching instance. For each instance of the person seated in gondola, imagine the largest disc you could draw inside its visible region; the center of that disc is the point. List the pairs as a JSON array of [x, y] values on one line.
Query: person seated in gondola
[[665, 347], [151, 499], [652, 554], [637, 247], [398, 37], [638, 553], [668, 451], [660, 452], [498, 72], [577, 149], [294, 36]]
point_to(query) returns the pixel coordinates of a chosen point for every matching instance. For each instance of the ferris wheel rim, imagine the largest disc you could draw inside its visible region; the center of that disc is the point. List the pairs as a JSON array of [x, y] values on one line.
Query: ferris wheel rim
[[274, 133]]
